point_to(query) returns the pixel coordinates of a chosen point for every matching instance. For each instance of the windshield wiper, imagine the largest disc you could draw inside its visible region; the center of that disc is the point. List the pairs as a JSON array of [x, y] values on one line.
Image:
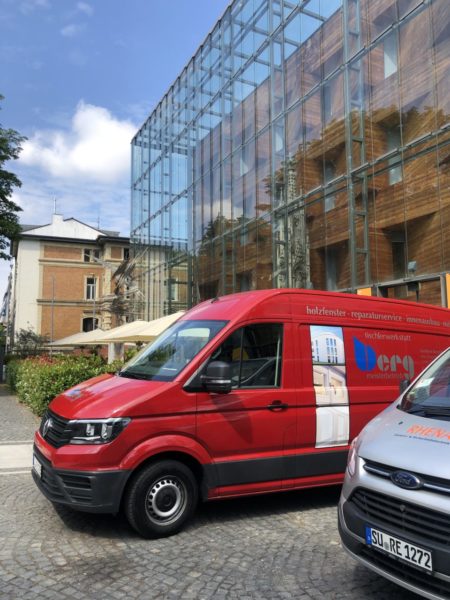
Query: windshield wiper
[[131, 375], [430, 411]]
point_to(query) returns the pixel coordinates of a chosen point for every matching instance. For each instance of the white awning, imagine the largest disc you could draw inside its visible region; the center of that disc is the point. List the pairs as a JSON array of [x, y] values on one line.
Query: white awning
[[136, 331], [80, 339], [123, 333], [150, 330]]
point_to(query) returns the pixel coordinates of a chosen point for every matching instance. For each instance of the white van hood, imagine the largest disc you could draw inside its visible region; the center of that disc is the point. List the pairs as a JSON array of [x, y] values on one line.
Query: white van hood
[[409, 442]]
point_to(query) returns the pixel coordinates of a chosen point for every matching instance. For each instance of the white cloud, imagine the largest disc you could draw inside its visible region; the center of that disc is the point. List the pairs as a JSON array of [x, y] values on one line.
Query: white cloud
[[71, 30], [85, 8], [96, 148], [78, 58], [29, 6], [85, 167]]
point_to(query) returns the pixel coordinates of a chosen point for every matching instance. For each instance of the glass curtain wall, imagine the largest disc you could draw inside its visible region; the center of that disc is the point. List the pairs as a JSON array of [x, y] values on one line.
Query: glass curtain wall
[[306, 144]]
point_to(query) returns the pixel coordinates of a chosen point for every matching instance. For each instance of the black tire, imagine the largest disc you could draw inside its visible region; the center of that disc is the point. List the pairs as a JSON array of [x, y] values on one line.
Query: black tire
[[161, 498]]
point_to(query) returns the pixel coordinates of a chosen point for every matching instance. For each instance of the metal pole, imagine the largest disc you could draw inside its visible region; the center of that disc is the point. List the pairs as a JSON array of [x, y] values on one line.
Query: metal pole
[[93, 311], [52, 309], [94, 293]]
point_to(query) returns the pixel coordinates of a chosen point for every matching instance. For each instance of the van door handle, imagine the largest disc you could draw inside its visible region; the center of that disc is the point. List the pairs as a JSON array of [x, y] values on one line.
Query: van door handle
[[277, 405]]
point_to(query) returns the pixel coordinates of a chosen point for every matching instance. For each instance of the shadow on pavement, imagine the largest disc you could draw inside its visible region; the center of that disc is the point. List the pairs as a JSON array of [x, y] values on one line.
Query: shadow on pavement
[[215, 512]]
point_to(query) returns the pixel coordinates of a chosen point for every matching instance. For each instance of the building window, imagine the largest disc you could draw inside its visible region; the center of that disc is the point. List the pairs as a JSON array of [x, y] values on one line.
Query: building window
[[173, 290], [90, 255], [244, 282], [331, 268], [89, 324], [244, 237], [329, 173], [393, 142], [390, 55], [398, 244], [91, 288], [244, 167], [327, 103], [126, 253]]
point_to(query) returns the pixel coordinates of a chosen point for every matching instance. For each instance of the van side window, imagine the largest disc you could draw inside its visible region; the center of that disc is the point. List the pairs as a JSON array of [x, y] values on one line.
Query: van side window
[[255, 353]]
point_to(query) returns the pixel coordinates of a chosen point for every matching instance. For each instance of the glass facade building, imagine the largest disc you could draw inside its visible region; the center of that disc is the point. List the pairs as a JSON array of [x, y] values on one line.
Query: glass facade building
[[306, 144]]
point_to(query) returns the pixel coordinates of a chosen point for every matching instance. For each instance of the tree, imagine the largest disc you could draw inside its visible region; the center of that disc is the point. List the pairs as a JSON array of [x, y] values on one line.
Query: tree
[[29, 343], [10, 147]]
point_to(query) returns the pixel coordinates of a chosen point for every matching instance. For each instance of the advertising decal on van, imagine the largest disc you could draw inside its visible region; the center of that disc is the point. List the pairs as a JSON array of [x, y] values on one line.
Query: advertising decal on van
[[330, 386], [433, 434], [367, 360]]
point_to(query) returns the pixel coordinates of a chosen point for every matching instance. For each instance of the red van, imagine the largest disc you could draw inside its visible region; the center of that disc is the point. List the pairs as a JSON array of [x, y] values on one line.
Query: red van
[[245, 394]]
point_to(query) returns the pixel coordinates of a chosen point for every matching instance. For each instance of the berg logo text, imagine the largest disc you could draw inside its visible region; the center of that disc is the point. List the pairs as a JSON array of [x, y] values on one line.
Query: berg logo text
[[367, 360]]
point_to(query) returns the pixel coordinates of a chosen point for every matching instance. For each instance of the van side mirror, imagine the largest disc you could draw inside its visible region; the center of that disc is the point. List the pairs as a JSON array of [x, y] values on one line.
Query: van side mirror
[[404, 383], [217, 377]]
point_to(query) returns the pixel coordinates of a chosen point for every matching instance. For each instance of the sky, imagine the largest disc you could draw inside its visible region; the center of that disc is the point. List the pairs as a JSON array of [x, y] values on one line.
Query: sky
[[79, 78]]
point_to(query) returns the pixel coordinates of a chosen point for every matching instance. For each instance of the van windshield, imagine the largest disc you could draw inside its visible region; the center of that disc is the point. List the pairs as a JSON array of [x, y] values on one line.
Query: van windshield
[[430, 395], [164, 358]]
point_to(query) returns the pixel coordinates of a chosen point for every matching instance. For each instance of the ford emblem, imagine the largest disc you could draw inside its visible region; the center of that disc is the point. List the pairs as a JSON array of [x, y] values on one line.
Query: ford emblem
[[47, 425], [406, 480]]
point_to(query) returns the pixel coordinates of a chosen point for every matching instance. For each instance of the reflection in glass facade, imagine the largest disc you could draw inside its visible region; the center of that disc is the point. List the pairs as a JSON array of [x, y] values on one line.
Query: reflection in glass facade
[[306, 144]]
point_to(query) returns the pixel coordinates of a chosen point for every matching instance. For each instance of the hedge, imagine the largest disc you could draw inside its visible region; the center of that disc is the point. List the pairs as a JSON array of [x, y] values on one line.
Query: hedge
[[38, 380], [12, 368]]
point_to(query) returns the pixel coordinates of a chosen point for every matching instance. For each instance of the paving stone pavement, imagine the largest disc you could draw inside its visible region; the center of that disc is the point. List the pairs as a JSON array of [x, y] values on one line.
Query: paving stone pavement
[[281, 546]]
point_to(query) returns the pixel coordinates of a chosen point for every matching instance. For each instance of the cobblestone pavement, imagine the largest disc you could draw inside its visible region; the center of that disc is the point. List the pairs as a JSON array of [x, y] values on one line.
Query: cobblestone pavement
[[281, 546]]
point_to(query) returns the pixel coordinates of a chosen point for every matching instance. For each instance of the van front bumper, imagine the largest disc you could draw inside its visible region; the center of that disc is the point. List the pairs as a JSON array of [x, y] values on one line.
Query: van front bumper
[[435, 586], [96, 492]]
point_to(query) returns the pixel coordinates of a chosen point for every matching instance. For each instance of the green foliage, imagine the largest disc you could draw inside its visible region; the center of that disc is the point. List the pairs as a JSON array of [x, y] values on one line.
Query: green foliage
[[10, 147], [29, 343], [38, 380], [12, 368], [130, 352]]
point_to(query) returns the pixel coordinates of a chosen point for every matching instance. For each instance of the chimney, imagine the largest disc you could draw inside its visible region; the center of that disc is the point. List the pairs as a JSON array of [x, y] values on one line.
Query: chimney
[[57, 219]]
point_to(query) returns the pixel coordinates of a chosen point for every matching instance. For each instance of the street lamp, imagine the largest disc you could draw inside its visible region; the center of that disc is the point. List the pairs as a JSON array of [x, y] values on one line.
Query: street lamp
[[52, 318], [94, 293]]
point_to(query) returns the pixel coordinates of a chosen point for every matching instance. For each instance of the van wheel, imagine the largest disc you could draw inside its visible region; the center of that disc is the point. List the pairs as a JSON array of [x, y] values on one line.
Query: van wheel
[[161, 498]]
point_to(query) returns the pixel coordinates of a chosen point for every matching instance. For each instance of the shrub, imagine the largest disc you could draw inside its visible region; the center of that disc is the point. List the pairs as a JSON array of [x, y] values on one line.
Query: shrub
[[131, 352], [40, 379], [29, 343], [12, 368]]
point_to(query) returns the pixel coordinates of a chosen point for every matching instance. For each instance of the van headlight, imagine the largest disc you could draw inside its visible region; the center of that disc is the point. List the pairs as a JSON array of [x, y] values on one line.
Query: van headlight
[[352, 456], [95, 431]]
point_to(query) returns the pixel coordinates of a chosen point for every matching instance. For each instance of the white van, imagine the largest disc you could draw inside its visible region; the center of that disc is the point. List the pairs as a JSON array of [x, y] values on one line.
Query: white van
[[394, 511]]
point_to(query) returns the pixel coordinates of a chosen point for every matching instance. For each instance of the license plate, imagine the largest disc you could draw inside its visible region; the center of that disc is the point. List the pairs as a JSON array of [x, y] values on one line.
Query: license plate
[[37, 467], [410, 553]]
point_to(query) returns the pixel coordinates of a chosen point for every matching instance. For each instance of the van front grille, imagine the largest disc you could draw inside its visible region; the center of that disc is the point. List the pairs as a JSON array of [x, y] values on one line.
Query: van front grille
[[437, 485], [383, 510], [54, 429]]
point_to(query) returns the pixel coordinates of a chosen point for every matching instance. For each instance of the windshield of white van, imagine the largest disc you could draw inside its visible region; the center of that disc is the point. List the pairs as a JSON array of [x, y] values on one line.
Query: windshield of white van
[[430, 395], [163, 359]]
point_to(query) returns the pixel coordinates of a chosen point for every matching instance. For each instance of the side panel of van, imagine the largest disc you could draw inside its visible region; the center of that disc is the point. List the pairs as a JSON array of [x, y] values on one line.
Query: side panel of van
[[349, 374], [334, 378], [250, 431]]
